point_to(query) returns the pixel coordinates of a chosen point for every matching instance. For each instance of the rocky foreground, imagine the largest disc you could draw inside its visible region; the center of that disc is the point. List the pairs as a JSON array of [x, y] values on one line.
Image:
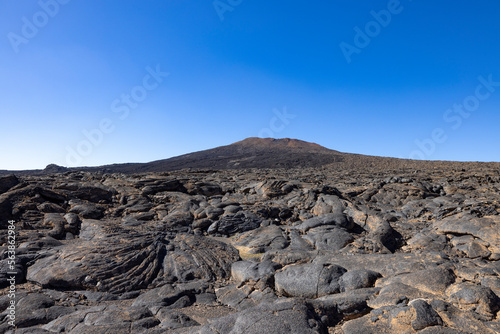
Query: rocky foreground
[[254, 251]]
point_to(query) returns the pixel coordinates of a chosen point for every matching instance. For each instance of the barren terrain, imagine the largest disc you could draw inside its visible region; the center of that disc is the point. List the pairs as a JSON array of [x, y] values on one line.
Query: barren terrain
[[355, 245]]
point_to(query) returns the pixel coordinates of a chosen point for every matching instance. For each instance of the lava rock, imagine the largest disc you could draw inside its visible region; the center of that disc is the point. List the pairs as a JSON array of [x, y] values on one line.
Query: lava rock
[[285, 316], [244, 271], [7, 182], [357, 279], [311, 280], [236, 223]]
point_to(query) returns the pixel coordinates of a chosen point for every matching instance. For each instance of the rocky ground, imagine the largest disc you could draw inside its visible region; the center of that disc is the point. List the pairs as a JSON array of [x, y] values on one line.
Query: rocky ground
[[254, 251]]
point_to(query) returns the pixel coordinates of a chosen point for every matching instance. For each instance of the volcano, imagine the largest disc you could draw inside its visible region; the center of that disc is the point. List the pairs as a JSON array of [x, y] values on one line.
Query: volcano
[[249, 153], [264, 153]]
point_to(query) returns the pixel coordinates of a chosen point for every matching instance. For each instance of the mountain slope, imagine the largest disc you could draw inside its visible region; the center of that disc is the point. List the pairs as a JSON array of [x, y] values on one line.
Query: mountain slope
[[248, 153], [266, 153]]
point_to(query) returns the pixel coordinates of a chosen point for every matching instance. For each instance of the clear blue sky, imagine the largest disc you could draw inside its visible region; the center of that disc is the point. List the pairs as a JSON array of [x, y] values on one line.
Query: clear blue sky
[[225, 70]]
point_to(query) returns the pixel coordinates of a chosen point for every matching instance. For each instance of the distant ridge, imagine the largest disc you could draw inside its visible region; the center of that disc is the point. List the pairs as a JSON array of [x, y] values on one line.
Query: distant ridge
[[264, 153]]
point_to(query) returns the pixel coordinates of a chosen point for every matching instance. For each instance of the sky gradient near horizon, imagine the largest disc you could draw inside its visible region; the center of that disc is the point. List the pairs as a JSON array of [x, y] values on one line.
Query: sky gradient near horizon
[[87, 83]]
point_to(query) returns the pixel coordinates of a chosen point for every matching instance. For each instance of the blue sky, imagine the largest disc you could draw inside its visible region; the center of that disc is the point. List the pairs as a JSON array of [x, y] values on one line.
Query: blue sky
[[97, 82]]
